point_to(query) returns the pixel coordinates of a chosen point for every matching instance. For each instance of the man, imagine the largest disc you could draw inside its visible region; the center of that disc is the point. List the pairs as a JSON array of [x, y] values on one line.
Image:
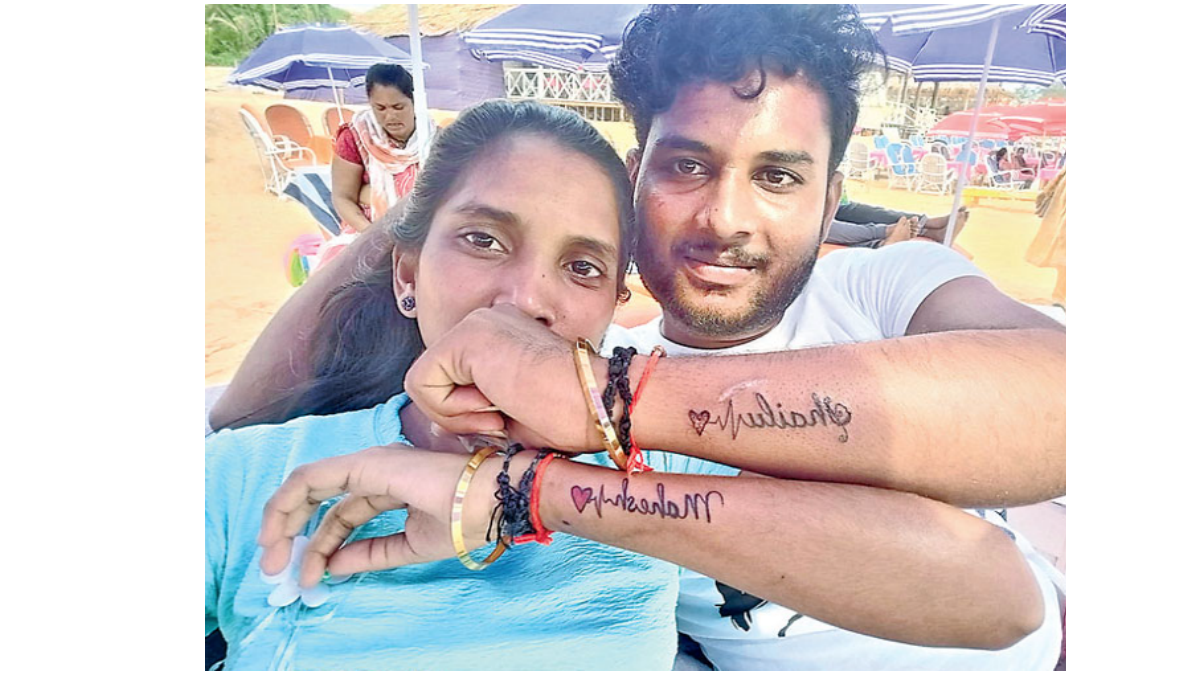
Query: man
[[927, 379], [939, 384]]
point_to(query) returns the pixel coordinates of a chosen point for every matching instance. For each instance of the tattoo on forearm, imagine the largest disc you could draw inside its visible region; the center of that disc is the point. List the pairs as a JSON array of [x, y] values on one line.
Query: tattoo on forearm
[[823, 413], [663, 507]]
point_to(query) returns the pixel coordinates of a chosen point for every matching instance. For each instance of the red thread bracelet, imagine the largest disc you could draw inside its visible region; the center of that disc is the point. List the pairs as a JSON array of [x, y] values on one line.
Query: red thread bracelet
[[540, 534], [635, 451]]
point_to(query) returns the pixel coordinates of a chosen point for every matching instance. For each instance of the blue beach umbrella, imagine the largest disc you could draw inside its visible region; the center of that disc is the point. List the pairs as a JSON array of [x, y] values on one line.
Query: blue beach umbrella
[[959, 54], [909, 19], [1049, 20], [565, 37], [316, 61]]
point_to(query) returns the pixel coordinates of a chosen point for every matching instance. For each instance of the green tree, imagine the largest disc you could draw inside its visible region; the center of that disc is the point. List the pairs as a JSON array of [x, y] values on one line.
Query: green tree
[[231, 32], [1029, 94]]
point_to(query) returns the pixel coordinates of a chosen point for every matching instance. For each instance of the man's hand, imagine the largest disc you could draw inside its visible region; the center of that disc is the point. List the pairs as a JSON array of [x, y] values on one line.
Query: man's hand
[[499, 370], [376, 480]]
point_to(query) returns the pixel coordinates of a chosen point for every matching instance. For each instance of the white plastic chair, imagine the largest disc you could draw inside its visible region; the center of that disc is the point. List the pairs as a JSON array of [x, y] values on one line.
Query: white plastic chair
[[277, 156], [859, 162], [933, 175]]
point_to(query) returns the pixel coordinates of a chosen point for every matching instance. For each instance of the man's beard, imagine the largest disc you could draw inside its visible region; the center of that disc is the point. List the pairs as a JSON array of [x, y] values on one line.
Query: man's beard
[[763, 311]]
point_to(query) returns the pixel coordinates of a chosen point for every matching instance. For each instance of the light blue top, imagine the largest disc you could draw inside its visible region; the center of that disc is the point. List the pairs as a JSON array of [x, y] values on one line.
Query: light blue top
[[572, 605]]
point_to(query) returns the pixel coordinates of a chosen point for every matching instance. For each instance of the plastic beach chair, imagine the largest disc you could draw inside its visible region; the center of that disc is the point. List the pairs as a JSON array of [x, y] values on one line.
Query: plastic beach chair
[[278, 156], [933, 175], [899, 170], [290, 123], [334, 118], [858, 161]]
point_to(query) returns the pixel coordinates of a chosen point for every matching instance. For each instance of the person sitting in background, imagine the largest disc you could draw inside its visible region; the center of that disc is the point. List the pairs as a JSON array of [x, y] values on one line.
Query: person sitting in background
[[1014, 165], [378, 153], [860, 225], [1022, 164]]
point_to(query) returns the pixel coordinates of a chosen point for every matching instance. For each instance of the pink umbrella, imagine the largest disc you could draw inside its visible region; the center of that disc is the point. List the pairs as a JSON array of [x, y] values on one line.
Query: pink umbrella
[[959, 124], [1046, 118]]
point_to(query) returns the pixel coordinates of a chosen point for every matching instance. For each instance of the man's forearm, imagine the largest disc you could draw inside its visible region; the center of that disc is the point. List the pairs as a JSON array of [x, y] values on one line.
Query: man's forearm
[[874, 561], [971, 418], [279, 359]]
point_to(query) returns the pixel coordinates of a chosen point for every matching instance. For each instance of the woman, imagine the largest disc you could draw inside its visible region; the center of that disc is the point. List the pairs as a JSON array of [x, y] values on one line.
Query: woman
[[1015, 165], [523, 210], [1049, 245], [378, 153]]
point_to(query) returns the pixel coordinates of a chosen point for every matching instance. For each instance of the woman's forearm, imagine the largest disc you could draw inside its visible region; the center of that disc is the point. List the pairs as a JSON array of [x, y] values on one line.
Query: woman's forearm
[[347, 179], [879, 562], [350, 213]]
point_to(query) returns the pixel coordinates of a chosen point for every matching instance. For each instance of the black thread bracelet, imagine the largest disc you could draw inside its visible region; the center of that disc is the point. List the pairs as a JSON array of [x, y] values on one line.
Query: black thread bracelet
[[503, 491], [513, 506], [618, 383]]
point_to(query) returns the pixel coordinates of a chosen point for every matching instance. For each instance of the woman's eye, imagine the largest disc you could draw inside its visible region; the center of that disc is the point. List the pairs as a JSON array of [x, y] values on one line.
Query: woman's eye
[[483, 241], [584, 268]]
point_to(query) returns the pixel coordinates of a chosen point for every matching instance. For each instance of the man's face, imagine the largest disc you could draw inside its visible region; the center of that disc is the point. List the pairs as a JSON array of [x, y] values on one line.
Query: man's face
[[732, 204]]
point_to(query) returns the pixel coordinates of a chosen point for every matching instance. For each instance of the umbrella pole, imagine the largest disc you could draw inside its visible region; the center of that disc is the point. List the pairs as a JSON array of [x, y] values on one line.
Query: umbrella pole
[[420, 101], [337, 100], [966, 171]]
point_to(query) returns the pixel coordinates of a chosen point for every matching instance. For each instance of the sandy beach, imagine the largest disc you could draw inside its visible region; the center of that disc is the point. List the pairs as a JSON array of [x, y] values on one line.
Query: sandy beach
[[248, 230]]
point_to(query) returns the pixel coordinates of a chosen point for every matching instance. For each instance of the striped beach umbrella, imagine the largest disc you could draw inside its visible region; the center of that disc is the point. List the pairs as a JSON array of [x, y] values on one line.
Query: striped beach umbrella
[[1049, 20], [959, 54], [911, 18], [564, 37], [315, 57]]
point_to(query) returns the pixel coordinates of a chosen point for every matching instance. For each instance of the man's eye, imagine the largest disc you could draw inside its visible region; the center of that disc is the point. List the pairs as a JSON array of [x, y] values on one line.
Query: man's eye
[[483, 241], [584, 268], [689, 167], [778, 178]]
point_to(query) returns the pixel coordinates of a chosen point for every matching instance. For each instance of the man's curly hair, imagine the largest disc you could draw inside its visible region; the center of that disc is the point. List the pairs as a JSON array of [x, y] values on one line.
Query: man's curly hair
[[669, 46]]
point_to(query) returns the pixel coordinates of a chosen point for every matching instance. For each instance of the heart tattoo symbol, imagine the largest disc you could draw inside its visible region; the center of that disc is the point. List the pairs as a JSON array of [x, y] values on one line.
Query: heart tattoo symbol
[[699, 421], [581, 497]]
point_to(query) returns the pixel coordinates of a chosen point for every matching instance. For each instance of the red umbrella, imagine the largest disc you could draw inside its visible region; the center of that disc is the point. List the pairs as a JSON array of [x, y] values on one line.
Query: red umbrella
[[1044, 118], [959, 124]]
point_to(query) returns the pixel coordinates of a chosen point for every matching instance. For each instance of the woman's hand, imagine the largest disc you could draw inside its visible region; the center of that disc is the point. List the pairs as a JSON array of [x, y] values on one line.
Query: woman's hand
[[377, 480]]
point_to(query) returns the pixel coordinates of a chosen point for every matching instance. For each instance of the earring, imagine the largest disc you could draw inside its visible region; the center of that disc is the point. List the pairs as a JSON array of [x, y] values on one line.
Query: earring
[[408, 303]]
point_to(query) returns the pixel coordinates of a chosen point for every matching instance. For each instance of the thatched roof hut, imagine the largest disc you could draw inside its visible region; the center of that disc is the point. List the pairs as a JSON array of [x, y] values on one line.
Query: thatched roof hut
[[392, 20]]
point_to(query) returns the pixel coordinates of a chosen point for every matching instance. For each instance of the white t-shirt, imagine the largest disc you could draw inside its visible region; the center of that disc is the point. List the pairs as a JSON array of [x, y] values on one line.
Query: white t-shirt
[[853, 295]]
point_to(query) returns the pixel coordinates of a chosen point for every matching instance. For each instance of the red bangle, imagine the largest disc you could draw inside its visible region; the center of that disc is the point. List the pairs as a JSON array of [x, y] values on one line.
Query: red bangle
[[635, 451], [540, 534]]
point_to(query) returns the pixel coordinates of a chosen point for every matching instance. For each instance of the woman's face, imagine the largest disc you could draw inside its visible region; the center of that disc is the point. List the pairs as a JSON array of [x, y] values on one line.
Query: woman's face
[[393, 110], [531, 224]]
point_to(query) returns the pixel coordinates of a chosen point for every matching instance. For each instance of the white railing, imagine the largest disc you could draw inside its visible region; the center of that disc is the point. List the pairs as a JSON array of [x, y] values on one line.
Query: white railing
[[909, 118], [588, 93]]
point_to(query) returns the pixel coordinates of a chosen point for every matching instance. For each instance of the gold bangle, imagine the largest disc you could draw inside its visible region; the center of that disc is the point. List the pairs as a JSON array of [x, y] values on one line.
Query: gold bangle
[[460, 495], [583, 364]]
